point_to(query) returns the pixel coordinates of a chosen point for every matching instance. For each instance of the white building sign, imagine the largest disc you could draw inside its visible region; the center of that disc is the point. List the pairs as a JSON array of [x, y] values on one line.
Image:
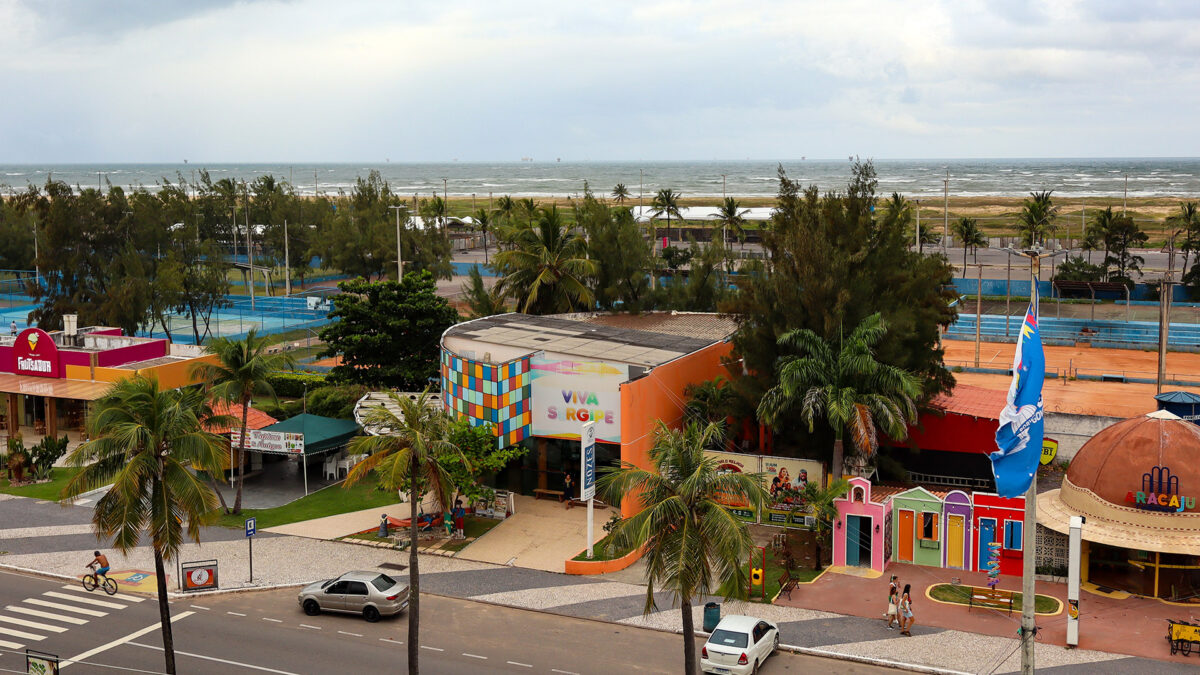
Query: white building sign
[[271, 442]]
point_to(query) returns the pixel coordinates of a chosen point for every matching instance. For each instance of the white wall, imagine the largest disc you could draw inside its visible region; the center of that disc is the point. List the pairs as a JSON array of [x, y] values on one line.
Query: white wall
[[1072, 431]]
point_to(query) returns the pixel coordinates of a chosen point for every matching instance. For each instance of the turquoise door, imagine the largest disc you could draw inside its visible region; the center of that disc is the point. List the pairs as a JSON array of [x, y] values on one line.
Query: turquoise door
[[852, 534], [987, 534]]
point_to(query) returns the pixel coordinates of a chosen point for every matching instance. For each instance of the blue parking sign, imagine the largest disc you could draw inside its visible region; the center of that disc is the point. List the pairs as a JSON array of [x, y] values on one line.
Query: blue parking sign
[[251, 527]]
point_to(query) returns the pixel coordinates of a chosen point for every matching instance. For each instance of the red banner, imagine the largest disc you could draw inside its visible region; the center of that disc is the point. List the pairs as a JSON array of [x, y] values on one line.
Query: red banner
[[35, 353]]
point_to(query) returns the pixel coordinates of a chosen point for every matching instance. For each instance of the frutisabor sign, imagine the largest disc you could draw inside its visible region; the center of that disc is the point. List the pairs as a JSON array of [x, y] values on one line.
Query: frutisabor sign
[[36, 354]]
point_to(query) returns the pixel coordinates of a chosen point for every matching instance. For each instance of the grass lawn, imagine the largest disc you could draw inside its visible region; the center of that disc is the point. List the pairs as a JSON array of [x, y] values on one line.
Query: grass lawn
[[962, 595], [474, 527], [51, 490], [604, 549], [328, 502]]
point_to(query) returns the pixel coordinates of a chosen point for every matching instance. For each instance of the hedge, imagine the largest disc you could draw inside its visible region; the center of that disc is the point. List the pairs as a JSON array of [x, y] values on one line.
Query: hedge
[[291, 385]]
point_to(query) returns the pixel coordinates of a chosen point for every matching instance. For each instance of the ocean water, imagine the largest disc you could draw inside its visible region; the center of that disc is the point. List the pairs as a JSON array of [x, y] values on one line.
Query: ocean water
[[914, 178]]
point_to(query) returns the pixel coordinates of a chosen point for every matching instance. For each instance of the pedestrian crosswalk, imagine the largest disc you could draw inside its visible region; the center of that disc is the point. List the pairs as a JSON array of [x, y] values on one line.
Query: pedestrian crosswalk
[[56, 612]]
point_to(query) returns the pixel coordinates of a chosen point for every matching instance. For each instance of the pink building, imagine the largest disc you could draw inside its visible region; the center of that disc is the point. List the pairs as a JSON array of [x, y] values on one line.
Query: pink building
[[862, 530]]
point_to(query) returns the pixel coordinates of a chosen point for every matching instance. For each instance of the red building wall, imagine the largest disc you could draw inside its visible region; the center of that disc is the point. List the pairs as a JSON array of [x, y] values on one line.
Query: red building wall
[[999, 509]]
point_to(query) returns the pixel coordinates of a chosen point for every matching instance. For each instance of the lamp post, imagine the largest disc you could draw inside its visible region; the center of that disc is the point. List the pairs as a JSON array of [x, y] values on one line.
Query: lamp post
[[399, 259], [287, 263]]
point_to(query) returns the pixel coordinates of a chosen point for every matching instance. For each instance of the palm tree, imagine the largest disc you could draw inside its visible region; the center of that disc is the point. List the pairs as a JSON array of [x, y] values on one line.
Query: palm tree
[[145, 442], [620, 193], [546, 268], [819, 502], [710, 400], [484, 220], [482, 300], [849, 389], [1187, 223], [529, 208], [405, 455], [732, 217], [1036, 219], [666, 201], [1104, 222], [242, 371], [691, 544], [971, 236]]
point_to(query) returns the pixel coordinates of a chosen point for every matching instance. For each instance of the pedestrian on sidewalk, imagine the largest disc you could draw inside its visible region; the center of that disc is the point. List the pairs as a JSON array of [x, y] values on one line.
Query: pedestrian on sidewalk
[[568, 483], [906, 613], [460, 515], [893, 604]]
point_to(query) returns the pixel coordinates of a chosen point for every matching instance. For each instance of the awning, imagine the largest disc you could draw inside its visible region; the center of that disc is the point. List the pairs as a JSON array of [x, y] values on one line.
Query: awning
[[82, 390], [321, 434]]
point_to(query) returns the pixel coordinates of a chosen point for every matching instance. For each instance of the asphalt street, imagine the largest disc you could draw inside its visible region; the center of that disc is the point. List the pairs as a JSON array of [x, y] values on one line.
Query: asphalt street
[[266, 632]]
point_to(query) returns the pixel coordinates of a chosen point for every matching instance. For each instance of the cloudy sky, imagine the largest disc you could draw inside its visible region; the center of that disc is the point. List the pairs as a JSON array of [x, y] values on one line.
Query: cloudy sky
[[118, 81]]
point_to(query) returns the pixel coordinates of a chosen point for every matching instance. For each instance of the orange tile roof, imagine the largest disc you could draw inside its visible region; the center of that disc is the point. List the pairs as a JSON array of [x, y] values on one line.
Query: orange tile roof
[[255, 419], [972, 401]]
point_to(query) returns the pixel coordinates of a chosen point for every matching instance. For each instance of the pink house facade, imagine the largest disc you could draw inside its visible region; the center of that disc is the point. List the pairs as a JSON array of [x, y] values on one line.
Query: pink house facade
[[859, 532]]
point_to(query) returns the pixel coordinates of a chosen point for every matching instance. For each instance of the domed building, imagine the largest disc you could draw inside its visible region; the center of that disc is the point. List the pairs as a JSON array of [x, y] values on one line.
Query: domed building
[[1136, 483]]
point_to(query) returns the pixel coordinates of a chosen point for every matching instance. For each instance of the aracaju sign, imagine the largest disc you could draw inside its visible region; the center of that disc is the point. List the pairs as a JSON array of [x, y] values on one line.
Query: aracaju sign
[[35, 353], [1160, 492]]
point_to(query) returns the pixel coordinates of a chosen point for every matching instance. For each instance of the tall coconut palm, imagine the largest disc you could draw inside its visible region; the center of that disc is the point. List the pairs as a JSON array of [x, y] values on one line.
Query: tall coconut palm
[[145, 442], [242, 371], [847, 388], [412, 437], [484, 220], [692, 545], [818, 500], [971, 235], [710, 400], [436, 210], [546, 269], [530, 208], [620, 193], [1187, 224], [1036, 219], [732, 219], [1104, 222], [666, 202]]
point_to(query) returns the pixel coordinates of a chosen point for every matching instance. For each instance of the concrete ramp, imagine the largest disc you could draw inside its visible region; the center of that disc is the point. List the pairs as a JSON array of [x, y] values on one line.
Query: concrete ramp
[[542, 535]]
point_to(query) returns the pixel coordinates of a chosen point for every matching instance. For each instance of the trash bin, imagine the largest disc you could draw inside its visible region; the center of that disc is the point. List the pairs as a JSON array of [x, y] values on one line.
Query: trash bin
[[712, 616]]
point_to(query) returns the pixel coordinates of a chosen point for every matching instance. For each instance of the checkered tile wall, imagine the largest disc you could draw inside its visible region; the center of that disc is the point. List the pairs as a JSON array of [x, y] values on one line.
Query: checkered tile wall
[[484, 392]]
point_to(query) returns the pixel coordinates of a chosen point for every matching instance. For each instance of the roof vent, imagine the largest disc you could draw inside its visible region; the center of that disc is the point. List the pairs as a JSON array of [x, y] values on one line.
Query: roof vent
[[70, 324]]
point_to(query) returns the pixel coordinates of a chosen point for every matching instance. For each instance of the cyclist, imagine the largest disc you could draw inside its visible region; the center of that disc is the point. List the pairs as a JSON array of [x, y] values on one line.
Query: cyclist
[[100, 564]]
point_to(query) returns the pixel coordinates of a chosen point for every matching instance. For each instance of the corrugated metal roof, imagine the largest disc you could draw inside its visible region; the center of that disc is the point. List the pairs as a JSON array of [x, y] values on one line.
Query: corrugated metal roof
[[972, 401]]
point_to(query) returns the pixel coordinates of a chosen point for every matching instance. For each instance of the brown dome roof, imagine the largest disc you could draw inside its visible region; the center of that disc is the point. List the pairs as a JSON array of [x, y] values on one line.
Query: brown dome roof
[[1112, 462]]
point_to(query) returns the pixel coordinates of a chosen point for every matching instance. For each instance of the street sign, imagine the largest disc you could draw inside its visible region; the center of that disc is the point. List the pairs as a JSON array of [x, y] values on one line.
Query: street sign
[[587, 467], [251, 527], [199, 576], [270, 442]]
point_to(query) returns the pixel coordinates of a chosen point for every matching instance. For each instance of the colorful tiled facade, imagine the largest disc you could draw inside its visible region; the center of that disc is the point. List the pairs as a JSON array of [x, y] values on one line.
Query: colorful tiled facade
[[500, 394]]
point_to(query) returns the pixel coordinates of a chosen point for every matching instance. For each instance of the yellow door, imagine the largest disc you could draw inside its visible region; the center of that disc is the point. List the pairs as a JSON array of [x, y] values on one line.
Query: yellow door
[[954, 543]]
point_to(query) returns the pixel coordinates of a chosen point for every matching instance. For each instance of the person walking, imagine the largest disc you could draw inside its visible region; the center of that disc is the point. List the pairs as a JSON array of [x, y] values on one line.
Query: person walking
[[893, 606], [460, 515], [906, 613], [568, 483], [13, 328]]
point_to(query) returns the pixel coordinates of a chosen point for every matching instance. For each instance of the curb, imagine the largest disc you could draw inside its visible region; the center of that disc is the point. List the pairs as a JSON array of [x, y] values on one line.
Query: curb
[[39, 573], [179, 595]]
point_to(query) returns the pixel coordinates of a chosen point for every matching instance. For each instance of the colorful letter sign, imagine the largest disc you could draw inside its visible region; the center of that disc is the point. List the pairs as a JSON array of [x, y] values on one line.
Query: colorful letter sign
[[35, 353], [1160, 492]]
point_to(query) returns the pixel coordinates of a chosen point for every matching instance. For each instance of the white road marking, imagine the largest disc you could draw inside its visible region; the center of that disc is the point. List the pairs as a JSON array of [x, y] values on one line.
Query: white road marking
[[65, 608], [32, 624], [213, 658], [236, 613], [10, 645], [304, 625], [86, 601], [46, 615], [436, 649], [564, 672], [120, 641], [21, 634], [395, 642], [354, 634], [198, 607], [267, 618], [123, 597], [518, 663], [474, 656]]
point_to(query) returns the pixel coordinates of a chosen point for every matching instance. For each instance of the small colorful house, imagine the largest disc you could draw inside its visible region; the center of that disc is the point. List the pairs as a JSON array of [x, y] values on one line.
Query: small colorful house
[[862, 527], [917, 514], [999, 519], [956, 506]]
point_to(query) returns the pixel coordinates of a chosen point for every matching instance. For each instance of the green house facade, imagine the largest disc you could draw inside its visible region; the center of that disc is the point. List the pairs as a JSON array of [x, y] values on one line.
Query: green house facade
[[918, 520]]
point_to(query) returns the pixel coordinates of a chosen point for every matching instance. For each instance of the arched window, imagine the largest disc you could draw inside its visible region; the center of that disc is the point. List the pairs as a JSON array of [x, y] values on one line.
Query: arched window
[[858, 495]]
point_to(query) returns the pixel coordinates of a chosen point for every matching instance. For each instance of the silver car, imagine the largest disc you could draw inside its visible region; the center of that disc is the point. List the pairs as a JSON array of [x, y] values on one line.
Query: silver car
[[368, 593]]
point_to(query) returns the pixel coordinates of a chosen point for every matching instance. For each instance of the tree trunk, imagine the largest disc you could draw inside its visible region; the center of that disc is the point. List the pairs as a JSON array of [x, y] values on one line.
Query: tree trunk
[[212, 483], [164, 612], [237, 501], [690, 666], [485, 255], [838, 459], [414, 579], [964, 259]]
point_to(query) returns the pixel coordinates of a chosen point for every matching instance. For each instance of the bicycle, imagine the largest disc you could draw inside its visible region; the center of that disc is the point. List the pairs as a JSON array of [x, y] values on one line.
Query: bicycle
[[91, 582]]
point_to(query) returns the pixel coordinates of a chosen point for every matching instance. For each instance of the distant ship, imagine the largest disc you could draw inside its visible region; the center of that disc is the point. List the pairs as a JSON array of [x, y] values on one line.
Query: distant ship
[[526, 159]]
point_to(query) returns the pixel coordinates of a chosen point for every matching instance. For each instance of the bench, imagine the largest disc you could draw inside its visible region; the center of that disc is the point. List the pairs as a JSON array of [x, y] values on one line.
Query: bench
[[786, 583], [991, 598], [543, 493]]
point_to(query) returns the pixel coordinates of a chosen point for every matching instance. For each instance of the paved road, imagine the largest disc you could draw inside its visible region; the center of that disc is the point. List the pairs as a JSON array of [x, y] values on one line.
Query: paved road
[[267, 633]]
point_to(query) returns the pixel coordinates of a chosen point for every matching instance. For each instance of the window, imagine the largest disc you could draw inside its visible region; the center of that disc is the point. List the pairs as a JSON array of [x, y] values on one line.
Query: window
[[337, 588], [761, 630], [858, 495], [1012, 534], [929, 526], [728, 638], [383, 582], [356, 588]]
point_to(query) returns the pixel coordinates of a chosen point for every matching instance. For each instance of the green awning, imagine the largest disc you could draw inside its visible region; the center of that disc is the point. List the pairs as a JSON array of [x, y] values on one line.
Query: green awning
[[321, 434]]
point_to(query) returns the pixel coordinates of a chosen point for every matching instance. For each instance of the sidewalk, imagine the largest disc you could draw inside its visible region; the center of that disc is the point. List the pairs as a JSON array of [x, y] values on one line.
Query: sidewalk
[[332, 527], [541, 534]]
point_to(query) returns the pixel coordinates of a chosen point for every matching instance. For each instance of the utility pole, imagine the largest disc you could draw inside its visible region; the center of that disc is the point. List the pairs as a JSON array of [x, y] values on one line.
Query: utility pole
[[918, 226], [1008, 293], [287, 263], [399, 258], [946, 211], [723, 197], [978, 310], [1125, 198], [445, 194], [249, 246], [1164, 313]]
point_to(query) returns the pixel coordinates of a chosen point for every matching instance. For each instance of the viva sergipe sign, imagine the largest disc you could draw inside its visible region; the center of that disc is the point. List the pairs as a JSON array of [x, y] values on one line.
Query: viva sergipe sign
[[35, 353]]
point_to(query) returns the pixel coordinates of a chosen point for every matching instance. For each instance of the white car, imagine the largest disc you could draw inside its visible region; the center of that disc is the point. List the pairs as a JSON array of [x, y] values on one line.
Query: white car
[[739, 645]]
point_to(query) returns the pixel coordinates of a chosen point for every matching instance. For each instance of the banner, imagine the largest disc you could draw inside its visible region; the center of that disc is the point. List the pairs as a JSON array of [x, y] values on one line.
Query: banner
[[270, 442], [1019, 436], [731, 462], [784, 478], [567, 393]]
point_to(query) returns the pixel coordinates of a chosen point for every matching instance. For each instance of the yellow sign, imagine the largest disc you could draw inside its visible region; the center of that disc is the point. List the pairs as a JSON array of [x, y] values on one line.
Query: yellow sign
[[1049, 450], [756, 576]]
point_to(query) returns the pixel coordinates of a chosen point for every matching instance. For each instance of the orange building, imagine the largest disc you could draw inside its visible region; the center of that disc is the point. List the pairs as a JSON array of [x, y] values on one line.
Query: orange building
[[538, 379]]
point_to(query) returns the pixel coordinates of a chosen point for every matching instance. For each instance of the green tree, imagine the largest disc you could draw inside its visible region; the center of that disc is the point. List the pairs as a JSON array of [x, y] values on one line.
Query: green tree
[[435, 210], [1075, 268], [1036, 219], [621, 254], [703, 287], [546, 269], [849, 389], [1101, 224], [476, 456], [818, 501], [732, 219], [482, 300], [1120, 238], [620, 193], [483, 222], [16, 236], [1186, 225], [692, 546], [146, 442], [410, 456], [666, 202], [243, 370], [530, 208], [710, 401], [387, 332], [971, 235]]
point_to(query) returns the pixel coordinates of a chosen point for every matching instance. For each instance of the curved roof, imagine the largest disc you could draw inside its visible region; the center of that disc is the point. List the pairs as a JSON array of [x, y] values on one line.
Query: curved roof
[[1113, 461]]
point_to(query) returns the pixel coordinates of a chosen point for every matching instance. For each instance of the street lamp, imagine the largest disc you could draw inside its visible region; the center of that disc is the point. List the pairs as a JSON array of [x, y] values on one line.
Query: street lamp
[[399, 257]]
